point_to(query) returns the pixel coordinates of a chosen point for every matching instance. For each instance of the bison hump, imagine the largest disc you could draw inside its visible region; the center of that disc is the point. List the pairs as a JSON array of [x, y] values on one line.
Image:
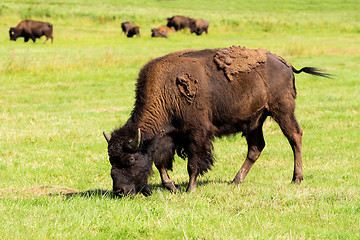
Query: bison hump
[[236, 59]]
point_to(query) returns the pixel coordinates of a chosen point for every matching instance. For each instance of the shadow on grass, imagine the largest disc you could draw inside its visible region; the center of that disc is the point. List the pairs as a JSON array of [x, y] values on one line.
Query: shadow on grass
[[97, 193], [182, 186], [100, 193]]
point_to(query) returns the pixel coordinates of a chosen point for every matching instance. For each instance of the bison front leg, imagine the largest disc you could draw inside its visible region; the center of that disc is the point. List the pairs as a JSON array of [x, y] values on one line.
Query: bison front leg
[[47, 38], [193, 174], [256, 144], [163, 150], [200, 158], [165, 179]]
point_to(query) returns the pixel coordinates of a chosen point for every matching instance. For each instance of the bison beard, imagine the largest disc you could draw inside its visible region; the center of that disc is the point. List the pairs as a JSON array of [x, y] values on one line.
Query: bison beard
[[185, 99]]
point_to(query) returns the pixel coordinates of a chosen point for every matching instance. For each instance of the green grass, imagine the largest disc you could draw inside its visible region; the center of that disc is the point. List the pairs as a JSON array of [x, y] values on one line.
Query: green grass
[[56, 99]]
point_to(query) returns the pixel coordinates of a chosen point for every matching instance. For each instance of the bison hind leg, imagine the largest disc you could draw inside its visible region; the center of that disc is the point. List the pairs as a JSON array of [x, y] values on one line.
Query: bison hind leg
[[293, 133], [256, 144]]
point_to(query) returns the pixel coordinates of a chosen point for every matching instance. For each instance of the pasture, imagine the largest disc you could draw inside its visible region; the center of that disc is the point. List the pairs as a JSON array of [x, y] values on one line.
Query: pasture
[[56, 99]]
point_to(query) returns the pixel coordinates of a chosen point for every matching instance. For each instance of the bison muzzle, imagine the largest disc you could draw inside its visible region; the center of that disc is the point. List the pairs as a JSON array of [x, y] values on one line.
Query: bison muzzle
[[186, 99]]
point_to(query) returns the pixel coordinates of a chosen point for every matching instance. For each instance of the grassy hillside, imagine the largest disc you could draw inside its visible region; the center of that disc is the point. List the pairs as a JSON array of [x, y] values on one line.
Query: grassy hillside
[[56, 99]]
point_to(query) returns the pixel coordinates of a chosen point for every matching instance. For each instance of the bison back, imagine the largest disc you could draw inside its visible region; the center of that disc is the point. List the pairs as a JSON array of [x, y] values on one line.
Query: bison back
[[35, 28]]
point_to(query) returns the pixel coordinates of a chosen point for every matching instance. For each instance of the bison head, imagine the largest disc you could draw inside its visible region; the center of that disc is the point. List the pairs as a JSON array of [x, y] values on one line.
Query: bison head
[[192, 25], [14, 34], [170, 22], [130, 164]]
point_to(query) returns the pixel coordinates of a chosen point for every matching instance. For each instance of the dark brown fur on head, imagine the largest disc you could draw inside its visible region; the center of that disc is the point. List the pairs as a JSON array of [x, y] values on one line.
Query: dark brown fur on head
[[130, 169]]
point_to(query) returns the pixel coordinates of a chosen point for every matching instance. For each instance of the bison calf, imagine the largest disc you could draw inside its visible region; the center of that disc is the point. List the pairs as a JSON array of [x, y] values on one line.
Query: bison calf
[[155, 32], [133, 31], [30, 29]]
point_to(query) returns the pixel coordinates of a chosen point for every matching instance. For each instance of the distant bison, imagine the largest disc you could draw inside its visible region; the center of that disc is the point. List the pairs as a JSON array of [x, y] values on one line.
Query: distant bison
[[198, 26], [126, 26], [185, 99], [155, 32], [165, 29], [30, 29], [133, 31], [178, 22]]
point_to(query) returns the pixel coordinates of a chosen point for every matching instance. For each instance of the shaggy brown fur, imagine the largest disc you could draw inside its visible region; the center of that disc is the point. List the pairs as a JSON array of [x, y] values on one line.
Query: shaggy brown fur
[[185, 99]]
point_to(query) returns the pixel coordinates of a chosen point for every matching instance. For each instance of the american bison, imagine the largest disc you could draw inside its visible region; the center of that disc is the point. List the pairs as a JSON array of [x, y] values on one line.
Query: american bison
[[133, 31], [155, 32], [178, 22], [30, 29], [186, 99], [164, 29], [129, 29], [126, 26], [199, 26]]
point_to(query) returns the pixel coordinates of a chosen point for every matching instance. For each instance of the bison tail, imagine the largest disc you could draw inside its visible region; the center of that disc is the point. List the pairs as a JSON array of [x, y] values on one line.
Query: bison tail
[[312, 71]]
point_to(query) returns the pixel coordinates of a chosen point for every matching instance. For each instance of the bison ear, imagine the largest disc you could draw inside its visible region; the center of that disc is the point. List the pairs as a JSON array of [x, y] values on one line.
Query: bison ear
[[107, 138], [134, 144]]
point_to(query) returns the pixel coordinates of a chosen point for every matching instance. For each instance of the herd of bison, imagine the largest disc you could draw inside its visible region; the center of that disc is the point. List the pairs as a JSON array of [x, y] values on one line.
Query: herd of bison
[[30, 29]]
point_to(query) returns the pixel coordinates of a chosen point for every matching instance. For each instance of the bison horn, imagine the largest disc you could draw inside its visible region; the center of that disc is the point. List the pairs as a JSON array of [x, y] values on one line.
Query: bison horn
[[107, 138], [135, 143]]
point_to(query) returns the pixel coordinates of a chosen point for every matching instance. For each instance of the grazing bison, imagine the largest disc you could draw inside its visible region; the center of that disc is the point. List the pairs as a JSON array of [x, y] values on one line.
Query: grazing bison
[[155, 32], [178, 22], [133, 31], [185, 99], [199, 26], [126, 26], [30, 29]]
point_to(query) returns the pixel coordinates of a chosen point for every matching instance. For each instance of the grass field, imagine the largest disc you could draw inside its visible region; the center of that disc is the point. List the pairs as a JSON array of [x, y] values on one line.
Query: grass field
[[56, 99]]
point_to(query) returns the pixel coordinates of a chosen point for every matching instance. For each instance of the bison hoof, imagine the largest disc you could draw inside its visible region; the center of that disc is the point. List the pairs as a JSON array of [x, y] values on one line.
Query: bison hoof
[[237, 180], [171, 186], [147, 191], [297, 181]]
